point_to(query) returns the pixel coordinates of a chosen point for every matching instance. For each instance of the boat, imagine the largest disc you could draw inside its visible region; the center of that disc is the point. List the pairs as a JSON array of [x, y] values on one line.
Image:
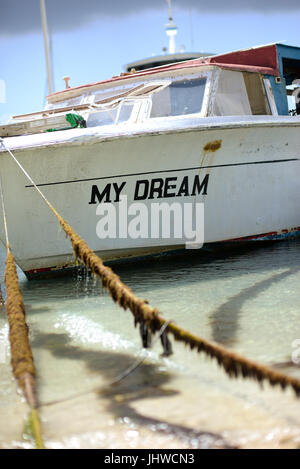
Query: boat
[[214, 131]]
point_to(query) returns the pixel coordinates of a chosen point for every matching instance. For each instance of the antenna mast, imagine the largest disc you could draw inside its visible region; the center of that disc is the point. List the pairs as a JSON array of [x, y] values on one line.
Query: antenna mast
[[170, 10], [171, 30], [46, 44]]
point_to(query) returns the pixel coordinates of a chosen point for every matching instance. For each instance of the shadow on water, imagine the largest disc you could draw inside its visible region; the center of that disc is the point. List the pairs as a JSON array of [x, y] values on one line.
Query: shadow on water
[[224, 320], [147, 381]]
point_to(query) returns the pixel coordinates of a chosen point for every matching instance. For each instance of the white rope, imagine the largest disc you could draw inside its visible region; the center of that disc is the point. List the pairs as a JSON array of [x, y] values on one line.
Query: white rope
[[25, 172], [4, 214]]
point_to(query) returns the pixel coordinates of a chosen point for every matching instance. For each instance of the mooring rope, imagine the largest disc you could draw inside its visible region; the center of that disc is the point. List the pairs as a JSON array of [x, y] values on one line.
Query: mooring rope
[[21, 353], [234, 364]]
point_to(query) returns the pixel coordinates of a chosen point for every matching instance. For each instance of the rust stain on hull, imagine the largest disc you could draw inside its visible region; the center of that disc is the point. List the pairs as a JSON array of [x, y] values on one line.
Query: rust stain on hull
[[213, 146]]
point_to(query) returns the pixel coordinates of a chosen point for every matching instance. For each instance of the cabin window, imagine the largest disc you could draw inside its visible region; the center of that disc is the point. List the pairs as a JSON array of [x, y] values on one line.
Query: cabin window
[[256, 93], [241, 94], [231, 97], [133, 110], [131, 106], [101, 117], [180, 98], [271, 98]]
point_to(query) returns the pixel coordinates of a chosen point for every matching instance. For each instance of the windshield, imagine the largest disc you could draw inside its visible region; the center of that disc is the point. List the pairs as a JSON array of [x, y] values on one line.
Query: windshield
[[179, 98]]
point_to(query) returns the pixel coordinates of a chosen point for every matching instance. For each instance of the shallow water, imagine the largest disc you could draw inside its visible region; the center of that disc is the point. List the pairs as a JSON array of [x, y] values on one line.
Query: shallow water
[[247, 299]]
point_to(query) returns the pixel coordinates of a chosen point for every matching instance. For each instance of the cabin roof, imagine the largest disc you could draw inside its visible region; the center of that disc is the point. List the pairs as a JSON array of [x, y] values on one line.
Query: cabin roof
[[261, 59], [164, 59]]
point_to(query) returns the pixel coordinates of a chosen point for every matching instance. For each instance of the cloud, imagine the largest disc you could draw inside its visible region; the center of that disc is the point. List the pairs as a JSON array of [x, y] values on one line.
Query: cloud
[[23, 16]]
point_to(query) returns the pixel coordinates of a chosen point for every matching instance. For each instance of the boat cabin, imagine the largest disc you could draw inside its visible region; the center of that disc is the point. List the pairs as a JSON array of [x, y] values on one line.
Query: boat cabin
[[251, 82]]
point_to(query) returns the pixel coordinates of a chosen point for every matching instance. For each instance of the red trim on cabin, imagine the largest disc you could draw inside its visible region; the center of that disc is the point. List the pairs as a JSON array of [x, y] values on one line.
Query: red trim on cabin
[[265, 56], [247, 68], [263, 60]]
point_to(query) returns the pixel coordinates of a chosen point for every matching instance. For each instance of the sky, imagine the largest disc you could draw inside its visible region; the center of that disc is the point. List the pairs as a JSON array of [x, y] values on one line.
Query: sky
[[93, 39]]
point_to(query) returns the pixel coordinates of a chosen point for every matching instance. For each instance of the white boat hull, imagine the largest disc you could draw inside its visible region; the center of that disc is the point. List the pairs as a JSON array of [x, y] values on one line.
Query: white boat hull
[[252, 182]]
